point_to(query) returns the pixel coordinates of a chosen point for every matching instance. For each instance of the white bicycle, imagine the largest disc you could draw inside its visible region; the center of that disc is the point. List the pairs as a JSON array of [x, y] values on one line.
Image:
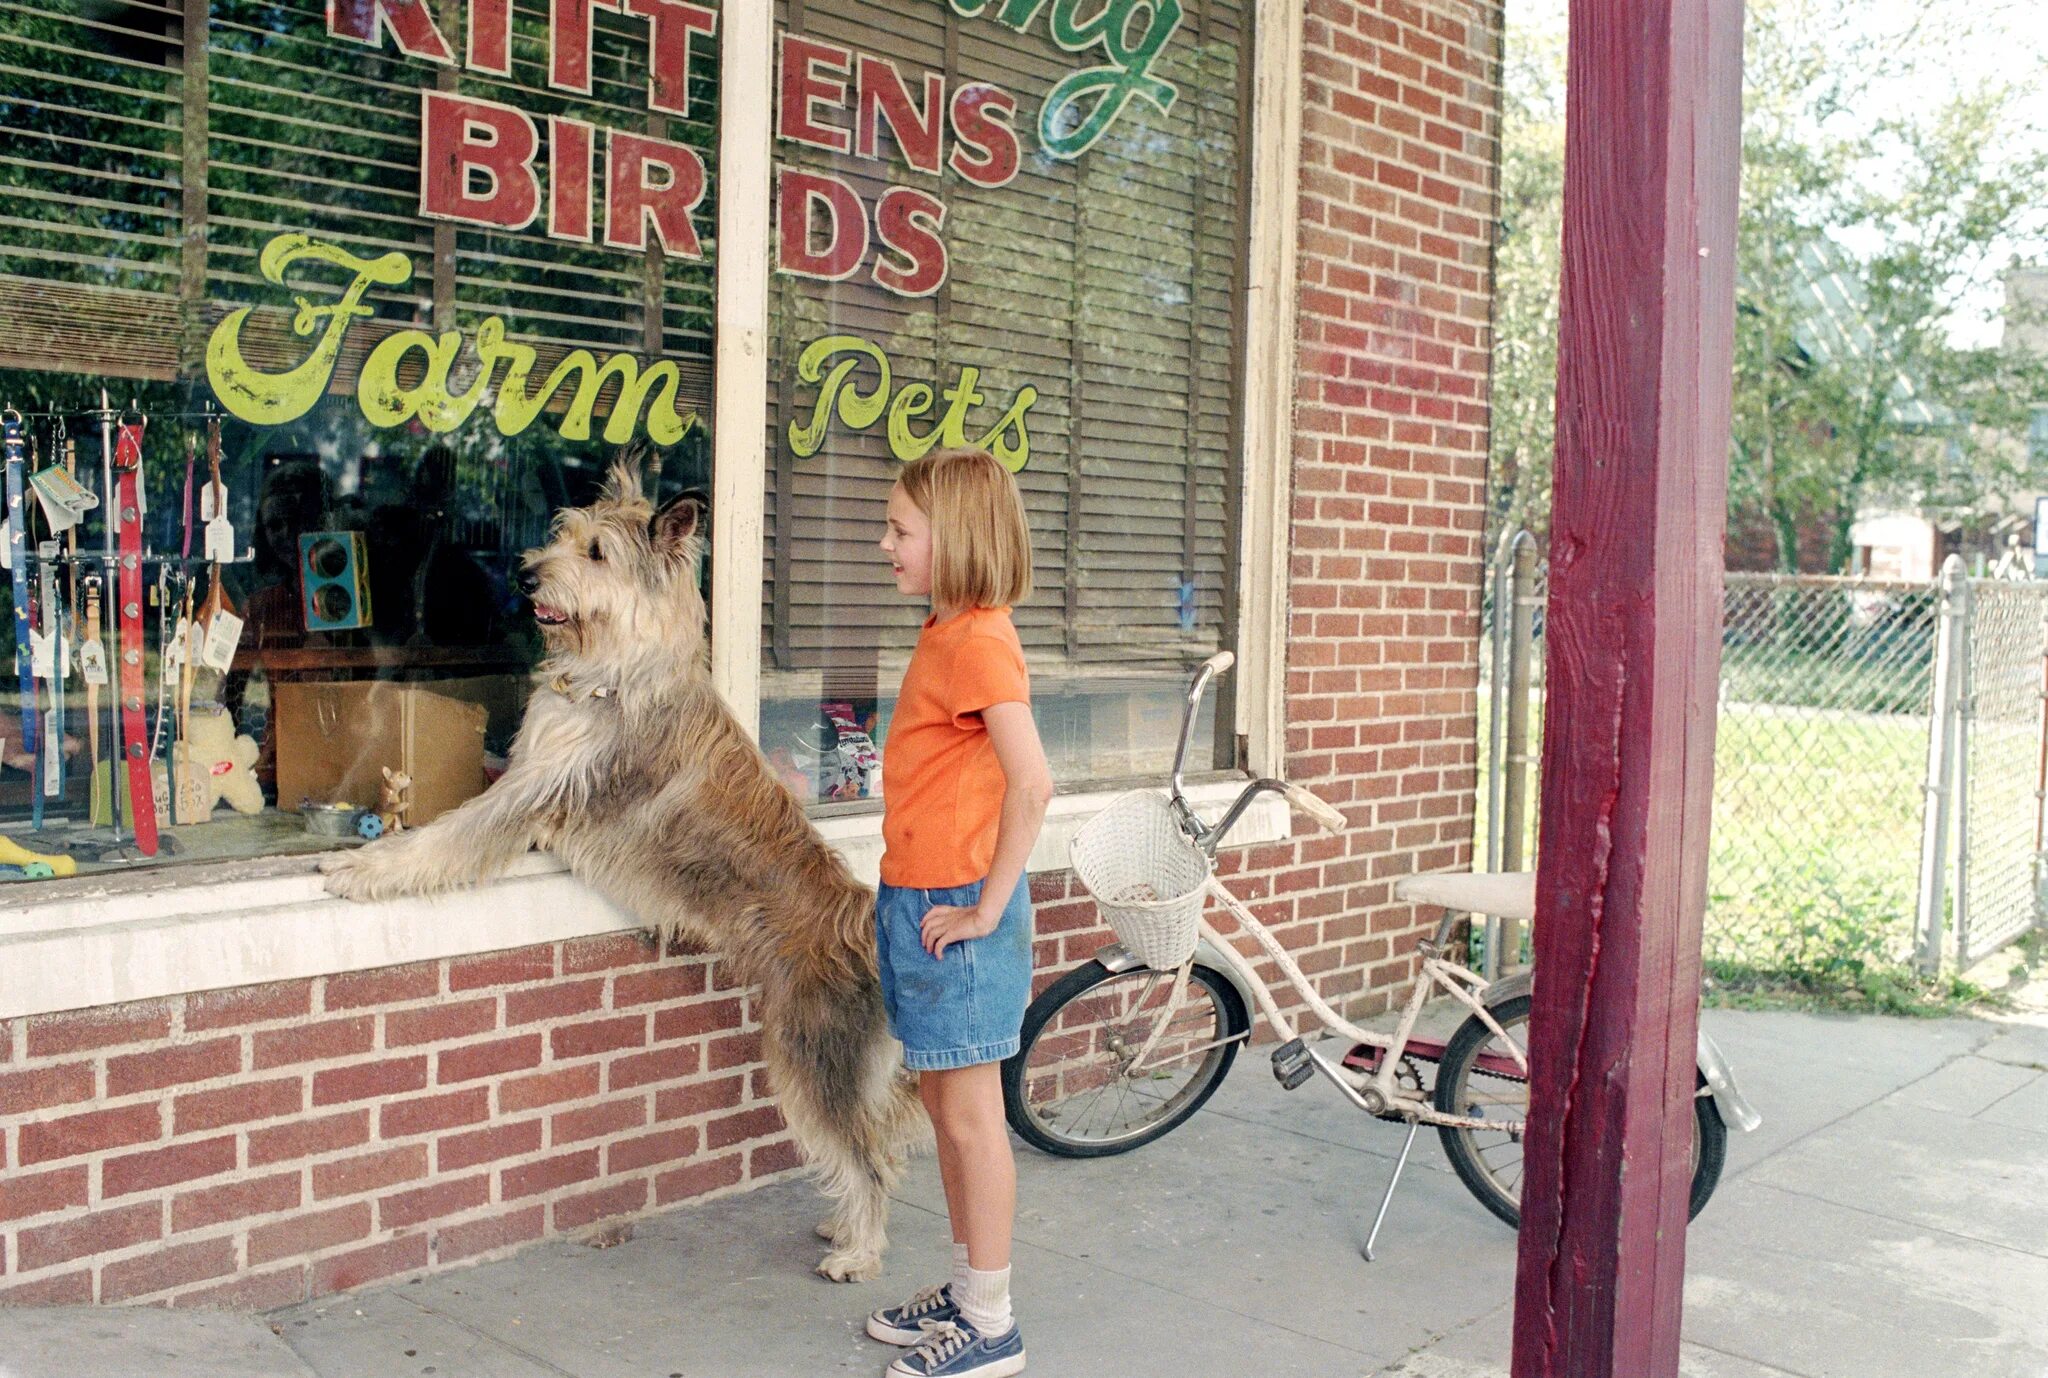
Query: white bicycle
[[1125, 1048]]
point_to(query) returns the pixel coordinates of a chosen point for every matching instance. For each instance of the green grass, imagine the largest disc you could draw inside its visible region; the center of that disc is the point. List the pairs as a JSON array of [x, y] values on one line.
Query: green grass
[[1885, 679], [1813, 863], [1883, 989]]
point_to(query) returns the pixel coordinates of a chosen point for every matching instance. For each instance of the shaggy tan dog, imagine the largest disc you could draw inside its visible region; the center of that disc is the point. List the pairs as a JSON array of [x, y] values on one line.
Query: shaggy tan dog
[[630, 768]]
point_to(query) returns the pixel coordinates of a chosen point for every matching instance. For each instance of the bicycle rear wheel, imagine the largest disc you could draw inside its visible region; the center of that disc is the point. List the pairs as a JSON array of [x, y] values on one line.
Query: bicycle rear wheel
[[1479, 1079], [1072, 1090]]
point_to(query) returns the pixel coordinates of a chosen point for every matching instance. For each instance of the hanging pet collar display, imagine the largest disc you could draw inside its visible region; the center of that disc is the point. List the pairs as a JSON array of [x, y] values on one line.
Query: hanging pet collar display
[[17, 563], [128, 647]]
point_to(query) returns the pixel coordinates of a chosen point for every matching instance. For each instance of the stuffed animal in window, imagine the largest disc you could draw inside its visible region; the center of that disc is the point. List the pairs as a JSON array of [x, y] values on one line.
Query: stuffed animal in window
[[394, 799], [212, 754]]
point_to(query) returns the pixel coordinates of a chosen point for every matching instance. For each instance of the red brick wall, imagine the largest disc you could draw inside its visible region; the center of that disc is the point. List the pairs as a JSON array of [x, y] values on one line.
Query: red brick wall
[[1398, 161], [259, 1146], [256, 1147]]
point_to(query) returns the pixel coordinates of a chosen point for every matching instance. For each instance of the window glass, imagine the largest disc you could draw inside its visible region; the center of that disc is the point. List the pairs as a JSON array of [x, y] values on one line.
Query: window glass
[[417, 273], [1014, 225]]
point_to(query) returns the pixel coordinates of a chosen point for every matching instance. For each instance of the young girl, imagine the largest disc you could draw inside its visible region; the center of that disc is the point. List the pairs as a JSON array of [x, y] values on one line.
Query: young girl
[[965, 789]]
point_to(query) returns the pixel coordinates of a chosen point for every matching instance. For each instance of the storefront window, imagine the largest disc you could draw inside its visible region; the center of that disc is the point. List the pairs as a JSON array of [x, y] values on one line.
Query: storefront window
[[416, 273], [1017, 224]]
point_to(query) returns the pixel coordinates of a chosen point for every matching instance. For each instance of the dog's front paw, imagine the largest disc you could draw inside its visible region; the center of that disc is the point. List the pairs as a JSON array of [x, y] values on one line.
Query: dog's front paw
[[851, 1265], [364, 874]]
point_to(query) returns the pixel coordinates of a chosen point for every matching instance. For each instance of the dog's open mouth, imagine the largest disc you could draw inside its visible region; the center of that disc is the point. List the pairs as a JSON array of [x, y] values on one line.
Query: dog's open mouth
[[549, 616]]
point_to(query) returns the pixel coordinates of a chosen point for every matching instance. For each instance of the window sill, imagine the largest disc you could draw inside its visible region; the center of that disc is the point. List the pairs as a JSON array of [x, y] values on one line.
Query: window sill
[[77, 944]]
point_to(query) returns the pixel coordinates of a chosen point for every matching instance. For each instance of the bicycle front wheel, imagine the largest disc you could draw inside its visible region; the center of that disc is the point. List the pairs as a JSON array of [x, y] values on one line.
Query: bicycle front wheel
[[1074, 1089], [1480, 1079]]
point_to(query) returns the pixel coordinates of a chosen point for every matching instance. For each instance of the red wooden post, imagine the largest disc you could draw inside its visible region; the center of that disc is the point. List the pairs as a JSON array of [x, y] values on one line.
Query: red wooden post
[[1639, 502]]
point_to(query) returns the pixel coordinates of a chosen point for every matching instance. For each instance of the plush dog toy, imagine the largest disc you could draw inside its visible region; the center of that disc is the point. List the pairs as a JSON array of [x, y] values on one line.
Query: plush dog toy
[[212, 754]]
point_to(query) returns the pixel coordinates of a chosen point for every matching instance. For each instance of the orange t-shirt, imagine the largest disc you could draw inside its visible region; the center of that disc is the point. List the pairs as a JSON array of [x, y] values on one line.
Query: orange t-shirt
[[942, 786]]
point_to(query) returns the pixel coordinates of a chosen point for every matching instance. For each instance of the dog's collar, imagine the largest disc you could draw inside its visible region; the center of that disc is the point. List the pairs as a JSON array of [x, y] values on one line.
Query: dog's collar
[[561, 685]]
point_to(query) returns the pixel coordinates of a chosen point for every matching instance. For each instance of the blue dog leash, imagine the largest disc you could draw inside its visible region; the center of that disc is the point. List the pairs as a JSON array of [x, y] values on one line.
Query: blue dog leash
[[17, 553]]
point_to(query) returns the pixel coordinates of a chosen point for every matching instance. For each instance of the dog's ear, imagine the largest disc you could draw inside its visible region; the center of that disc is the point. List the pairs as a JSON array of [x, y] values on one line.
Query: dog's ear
[[680, 519], [623, 482]]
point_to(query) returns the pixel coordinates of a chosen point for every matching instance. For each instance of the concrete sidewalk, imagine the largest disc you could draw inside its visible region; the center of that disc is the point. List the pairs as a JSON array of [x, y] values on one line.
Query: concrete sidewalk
[[1891, 1217]]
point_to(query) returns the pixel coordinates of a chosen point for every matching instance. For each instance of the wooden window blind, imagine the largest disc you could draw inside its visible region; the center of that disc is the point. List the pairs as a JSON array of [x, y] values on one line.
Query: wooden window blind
[[149, 149], [1107, 282]]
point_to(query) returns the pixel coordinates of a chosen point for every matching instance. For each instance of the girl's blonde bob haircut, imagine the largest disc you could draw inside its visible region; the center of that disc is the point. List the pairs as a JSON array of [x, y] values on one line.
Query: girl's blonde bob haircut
[[981, 544]]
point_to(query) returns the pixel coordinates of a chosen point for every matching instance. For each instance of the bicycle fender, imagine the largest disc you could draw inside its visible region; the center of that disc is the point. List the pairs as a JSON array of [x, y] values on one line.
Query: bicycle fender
[[1714, 1067], [1720, 1076], [1116, 957]]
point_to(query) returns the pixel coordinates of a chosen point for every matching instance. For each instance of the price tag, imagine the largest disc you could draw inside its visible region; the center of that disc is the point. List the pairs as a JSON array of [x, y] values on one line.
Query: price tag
[[64, 501], [213, 511], [222, 636], [42, 654], [92, 663], [53, 757], [175, 649]]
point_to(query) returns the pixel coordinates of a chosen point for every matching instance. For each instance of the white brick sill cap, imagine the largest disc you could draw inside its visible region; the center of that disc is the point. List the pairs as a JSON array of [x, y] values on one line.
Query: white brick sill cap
[[107, 939]]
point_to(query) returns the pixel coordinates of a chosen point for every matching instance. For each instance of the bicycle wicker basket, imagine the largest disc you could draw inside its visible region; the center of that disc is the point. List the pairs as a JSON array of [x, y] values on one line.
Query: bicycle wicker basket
[[1148, 878]]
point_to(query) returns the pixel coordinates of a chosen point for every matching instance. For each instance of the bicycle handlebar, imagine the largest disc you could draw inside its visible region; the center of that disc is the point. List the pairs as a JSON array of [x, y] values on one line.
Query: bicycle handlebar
[[1315, 807], [1326, 816], [1215, 665]]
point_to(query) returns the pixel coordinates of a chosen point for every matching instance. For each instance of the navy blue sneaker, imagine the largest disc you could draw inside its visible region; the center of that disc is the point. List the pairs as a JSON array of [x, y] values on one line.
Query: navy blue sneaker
[[906, 1324], [953, 1350]]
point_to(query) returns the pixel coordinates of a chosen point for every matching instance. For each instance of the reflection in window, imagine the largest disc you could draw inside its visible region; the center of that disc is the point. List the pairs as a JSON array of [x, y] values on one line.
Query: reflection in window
[[417, 660]]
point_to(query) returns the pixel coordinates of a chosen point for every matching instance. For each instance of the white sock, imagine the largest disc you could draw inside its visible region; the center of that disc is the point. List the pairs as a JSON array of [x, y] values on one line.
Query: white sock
[[984, 1300], [959, 1277]]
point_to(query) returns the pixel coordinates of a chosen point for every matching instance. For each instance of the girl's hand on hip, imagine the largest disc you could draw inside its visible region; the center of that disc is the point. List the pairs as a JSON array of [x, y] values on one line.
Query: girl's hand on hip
[[945, 924]]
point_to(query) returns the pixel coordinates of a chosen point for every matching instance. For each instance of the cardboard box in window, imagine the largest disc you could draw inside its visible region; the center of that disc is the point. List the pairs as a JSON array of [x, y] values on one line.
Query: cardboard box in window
[[335, 739]]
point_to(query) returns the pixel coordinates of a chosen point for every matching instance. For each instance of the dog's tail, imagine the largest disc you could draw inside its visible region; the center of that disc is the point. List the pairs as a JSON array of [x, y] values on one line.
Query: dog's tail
[[905, 1126]]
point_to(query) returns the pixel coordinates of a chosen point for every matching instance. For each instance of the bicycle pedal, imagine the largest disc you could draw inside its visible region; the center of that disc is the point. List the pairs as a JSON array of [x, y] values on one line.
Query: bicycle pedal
[[1291, 1066]]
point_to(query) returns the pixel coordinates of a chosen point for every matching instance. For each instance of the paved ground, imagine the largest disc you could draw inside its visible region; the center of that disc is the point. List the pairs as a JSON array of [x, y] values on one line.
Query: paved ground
[[1890, 1218]]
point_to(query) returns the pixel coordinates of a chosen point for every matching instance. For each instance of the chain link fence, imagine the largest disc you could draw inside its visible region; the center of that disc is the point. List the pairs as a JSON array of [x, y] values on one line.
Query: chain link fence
[[1826, 688], [1833, 741], [2001, 765]]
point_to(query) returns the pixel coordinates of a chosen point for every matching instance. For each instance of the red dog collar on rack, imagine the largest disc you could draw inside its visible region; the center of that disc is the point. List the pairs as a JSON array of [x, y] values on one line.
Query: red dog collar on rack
[[128, 540]]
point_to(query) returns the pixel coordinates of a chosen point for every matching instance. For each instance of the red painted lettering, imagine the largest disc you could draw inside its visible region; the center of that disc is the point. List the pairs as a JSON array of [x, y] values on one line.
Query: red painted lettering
[[798, 196], [805, 77], [490, 36], [569, 43], [571, 144], [985, 151], [633, 201], [410, 22], [462, 138], [907, 221], [671, 23], [884, 97]]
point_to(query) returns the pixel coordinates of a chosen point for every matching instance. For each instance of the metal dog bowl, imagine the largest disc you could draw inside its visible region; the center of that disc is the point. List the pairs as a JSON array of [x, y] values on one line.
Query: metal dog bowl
[[330, 820]]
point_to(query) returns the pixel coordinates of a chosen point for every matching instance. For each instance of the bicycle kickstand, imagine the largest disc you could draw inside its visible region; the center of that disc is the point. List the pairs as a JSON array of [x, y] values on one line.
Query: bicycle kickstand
[[1392, 1182]]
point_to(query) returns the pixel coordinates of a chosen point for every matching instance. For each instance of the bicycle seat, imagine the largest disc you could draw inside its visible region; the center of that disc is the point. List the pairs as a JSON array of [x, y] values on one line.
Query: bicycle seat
[[1510, 894]]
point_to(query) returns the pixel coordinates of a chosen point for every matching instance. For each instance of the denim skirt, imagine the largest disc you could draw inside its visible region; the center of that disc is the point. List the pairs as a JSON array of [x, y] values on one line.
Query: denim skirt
[[964, 1008]]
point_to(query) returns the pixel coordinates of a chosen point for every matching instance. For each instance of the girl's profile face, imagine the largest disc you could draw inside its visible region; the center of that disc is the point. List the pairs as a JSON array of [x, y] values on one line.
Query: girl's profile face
[[908, 544]]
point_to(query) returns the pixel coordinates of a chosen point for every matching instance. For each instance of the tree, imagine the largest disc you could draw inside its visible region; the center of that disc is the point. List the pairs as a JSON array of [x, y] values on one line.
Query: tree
[[1527, 259], [1870, 248], [1867, 248]]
